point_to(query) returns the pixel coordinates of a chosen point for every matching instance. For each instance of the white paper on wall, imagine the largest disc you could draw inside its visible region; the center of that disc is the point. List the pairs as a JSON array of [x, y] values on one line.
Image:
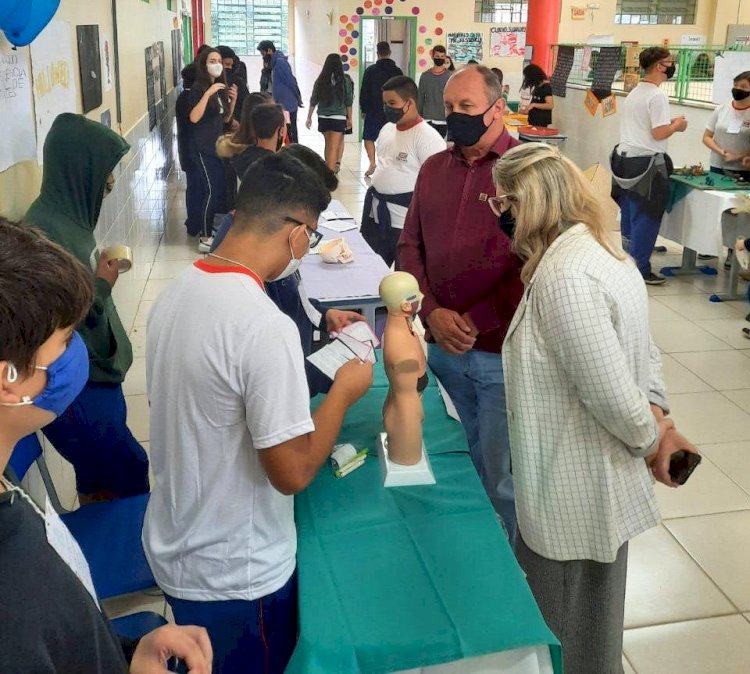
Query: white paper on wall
[[55, 79], [727, 66], [18, 137], [105, 49]]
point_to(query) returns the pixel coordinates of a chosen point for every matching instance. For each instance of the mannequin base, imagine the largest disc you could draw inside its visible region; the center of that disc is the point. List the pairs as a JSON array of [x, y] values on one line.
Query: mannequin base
[[396, 475]]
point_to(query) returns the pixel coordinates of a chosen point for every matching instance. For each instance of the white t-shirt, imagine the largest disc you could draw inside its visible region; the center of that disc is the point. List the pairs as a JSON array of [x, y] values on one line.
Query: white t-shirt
[[731, 129], [400, 155], [226, 379], [645, 108]]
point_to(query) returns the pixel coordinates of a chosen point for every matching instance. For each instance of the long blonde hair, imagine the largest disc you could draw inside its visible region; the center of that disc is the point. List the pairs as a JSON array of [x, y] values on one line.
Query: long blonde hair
[[549, 194]]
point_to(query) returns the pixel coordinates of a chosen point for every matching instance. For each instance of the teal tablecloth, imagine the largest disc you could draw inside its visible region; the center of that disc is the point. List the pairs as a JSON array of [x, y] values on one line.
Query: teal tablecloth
[[681, 186], [393, 579]]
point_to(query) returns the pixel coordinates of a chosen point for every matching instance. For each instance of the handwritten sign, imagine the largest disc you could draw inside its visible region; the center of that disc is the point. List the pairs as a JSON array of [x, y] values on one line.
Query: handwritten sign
[[55, 89], [464, 47], [18, 139], [507, 41]]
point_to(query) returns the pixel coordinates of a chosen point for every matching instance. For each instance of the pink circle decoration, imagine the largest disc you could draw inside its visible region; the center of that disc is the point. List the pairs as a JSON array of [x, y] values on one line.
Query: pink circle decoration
[[367, 4], [420, 49], [438, 31], [355, 19], [343, 18], [342, 32], [422, 63], [375, 11], [354, 62], [439, 16], [378, 2], [343, 49], [423, 29], [348, 40], [415, 10]]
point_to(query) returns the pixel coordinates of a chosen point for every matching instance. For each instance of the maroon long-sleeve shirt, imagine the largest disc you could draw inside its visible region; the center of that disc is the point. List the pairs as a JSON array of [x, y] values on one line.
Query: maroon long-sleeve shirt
[[453, 245]]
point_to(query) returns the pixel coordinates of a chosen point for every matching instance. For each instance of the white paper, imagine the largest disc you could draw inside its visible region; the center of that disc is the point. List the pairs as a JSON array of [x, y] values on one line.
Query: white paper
[[18, 136], [55, 88], [105, 49], [726, 66], [62, 541], [450, 408], [355, 341], [338, 225]]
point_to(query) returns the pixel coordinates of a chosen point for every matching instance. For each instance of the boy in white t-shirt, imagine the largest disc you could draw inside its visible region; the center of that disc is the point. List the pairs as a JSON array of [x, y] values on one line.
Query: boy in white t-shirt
[[404, 144], [232, 437], [645, 127]]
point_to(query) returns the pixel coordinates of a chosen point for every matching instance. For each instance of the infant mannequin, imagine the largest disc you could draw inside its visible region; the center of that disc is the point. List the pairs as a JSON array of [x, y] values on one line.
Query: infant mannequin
[[405, 367]]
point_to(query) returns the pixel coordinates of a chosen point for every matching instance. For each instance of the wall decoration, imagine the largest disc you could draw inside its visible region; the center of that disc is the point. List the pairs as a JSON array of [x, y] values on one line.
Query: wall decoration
[[150, 98], [507, 41], [591, 102], [563, 66], [176, 56], [90, 66], [106, 118], [609, 105], [159, 54], [18, 140], [464, 47], [577, 13], [108, 65], [608, 62], [54, 81]]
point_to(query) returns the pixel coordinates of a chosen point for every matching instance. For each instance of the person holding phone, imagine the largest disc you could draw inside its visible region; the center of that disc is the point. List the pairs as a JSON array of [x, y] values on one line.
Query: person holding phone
[[586, 404], [211, 107]]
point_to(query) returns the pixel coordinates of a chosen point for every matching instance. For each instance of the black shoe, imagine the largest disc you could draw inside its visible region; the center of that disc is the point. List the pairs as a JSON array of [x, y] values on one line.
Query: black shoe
[[707, 257], [728, 261], [660, 249], [746, 332], [654, 279], [747, 318]]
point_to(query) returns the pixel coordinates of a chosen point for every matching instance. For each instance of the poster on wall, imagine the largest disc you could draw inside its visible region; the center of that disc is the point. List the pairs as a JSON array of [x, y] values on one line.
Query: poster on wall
[[591, 102], [176, 56], [90, 66], [608, 62], [465, 47], [55, 89], [107, 63], [159, 53], [507, 41], [18, 140], [609, 105], [577, 13], [150, 100], [563, 66]]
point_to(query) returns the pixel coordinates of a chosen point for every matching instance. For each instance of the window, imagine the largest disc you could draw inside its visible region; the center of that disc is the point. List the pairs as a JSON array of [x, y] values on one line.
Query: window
[[651, 12], [492, 11], [241, 24]]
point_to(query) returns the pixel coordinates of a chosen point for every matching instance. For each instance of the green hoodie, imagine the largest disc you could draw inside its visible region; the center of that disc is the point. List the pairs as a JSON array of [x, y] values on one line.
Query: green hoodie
[[79, 155]]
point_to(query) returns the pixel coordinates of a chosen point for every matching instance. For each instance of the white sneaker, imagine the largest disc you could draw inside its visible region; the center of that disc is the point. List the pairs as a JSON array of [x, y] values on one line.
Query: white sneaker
[[205, 243]]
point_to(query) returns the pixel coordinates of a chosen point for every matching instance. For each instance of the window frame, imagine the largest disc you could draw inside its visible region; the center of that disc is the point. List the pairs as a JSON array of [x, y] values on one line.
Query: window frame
[[242, 24], [500, 11], [656, 12]]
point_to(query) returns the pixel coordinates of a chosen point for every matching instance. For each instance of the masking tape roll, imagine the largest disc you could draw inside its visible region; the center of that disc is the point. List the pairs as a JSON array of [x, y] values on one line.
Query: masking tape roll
[[122, 254]]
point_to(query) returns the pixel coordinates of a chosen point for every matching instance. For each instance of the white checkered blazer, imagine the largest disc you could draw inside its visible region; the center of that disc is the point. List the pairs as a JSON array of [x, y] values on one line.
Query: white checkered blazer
[[580, 371]]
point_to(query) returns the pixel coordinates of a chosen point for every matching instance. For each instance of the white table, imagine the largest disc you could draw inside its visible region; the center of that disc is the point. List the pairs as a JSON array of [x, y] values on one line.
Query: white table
[[702, 223], [521, 661], [346, 286]]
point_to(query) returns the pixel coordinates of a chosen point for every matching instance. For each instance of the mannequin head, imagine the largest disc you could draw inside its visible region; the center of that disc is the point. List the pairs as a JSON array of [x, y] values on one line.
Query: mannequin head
[[400, 293]]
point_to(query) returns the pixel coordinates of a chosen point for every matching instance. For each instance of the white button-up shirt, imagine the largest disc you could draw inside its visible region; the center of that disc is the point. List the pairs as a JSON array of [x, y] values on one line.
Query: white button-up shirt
[[580, 373]]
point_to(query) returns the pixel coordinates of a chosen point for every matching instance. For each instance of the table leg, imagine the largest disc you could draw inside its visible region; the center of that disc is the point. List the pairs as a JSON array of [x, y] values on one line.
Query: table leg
[[732, 282], [688, 266]]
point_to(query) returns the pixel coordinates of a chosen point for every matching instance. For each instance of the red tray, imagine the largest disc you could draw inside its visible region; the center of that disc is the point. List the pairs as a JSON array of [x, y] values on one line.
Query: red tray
[[538, 131]]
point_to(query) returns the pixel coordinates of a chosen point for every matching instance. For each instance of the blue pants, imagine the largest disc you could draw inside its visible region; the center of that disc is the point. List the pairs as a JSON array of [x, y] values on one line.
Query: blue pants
[[639, 231], [247, 636], [214, 183], [475, 382], [195, 197], [92, 434]]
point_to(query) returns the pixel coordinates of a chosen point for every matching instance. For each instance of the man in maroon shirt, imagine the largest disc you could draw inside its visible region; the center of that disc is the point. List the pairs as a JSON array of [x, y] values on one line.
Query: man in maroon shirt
[[453, 244]]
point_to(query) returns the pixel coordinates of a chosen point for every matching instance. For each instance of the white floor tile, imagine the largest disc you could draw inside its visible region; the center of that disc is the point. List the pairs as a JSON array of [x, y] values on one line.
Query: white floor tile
[[733, 459], [728, 330], [660, 312], [138, 416], [154, 288], [141, 317], [169, 269], [697, 307], [724, 370], [135, 380], [711, 646], [138, 341], [666, 585], [709, 418], [680, 336], [678, 378], [627, 668], [721, 545]]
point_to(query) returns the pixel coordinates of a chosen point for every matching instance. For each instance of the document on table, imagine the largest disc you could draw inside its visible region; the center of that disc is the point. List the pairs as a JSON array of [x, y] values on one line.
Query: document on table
[[354, 341], [337, 219]]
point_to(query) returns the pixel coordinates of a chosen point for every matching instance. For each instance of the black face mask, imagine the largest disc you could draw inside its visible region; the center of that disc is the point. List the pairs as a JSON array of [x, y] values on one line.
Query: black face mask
[[669, 71], [466, 130], [507, 223], [394, 115], [439, 62], [739, 94], [279, 142]]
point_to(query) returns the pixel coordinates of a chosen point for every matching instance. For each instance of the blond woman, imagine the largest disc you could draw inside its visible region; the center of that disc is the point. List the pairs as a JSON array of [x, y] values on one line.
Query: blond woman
[[586, 405]]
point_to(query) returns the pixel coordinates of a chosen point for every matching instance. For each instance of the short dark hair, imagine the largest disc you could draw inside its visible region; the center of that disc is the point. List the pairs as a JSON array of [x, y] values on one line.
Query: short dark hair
[[648, 58], [383, 49], [271, 188], [42, 288], [188, 75], [472, 62], [533, 76], [313, 161], [226, 52], [742, 76], [498, 74], [404, 86], [265, 45], [266, 119], [440, 48]]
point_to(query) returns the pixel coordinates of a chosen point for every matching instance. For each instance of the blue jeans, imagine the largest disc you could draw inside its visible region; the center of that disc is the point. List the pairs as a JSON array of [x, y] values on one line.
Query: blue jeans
[[474, 381], [246, 636], [639, 231], [93, 435]]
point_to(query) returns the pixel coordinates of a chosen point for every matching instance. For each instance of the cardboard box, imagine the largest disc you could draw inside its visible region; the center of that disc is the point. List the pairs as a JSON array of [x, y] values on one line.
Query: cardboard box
[[601, 181]]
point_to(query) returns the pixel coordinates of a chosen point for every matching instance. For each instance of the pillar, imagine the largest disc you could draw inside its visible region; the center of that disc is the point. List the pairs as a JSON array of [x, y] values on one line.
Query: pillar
[[542, 30]]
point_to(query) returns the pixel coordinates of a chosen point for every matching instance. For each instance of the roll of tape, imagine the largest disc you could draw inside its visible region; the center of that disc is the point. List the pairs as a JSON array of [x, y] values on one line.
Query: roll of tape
[[122, 254]]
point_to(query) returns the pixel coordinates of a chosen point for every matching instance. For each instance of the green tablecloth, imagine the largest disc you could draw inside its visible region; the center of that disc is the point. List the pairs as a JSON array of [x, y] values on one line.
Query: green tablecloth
[[393, 579], [681, 186]]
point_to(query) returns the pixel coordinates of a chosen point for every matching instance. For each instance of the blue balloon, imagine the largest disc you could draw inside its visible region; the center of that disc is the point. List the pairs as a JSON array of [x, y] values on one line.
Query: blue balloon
[[8, 8], [37, 14]]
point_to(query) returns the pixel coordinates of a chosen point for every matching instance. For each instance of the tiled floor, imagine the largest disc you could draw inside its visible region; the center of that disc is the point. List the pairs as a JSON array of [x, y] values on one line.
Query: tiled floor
[[688, 600]]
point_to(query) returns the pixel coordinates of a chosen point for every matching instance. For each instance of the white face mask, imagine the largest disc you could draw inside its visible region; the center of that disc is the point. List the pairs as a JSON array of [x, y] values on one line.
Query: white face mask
[[215, 69], [293, 265]]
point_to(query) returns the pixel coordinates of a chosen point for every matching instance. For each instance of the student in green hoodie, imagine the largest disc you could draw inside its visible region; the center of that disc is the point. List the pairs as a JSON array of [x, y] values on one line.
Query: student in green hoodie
[[79, 157]]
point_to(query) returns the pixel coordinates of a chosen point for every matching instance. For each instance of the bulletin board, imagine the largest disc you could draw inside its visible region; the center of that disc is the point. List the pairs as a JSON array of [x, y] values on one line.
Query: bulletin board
[[90, 66], [18, 139], [463, 47], [507, 41]]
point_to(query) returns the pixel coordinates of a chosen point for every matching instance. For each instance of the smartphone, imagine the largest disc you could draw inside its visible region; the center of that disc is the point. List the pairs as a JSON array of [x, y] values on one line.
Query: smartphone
[[682, 464]]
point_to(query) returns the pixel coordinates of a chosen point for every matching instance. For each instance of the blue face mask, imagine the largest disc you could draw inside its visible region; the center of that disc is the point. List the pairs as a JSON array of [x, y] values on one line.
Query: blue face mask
[[66, 378]]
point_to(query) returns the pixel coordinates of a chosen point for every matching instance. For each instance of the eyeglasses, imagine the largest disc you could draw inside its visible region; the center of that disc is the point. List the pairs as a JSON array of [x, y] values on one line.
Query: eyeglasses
[[500, 203], [313, 235]]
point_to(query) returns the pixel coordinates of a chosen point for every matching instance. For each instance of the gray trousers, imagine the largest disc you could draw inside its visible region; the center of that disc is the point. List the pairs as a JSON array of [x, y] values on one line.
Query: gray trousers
[[583, 603]]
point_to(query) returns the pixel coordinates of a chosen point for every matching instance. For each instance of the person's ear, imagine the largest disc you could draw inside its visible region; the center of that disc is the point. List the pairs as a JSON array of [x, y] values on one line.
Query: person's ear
[[6, 377], [405, 307]]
